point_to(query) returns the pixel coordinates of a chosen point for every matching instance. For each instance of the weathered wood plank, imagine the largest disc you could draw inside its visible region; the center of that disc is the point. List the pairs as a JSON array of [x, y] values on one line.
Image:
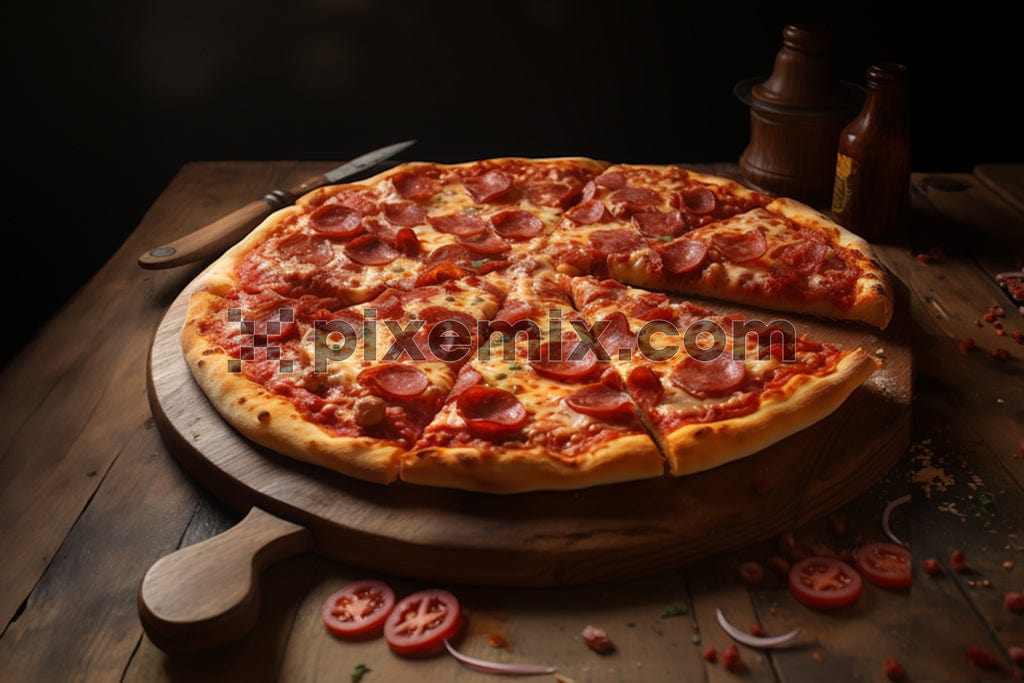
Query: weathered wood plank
[[77, 393], [81, 621], [1006, 180]]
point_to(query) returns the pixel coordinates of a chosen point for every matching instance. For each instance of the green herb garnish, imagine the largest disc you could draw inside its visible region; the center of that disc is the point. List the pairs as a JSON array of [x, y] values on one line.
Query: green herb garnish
[[676, 610], [357, 673]]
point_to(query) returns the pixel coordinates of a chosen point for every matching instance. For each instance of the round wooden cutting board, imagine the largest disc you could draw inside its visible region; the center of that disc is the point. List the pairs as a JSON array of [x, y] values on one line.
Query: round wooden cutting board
[[543, 538]]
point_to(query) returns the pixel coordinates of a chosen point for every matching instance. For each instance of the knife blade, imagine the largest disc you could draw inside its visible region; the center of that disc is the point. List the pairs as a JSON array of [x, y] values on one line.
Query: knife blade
[[222, 233]]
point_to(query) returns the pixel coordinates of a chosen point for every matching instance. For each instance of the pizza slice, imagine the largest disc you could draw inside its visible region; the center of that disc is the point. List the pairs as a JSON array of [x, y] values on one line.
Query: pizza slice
[[784, 256], [715, 388], [350, 390], [669, 229], [535, 409]]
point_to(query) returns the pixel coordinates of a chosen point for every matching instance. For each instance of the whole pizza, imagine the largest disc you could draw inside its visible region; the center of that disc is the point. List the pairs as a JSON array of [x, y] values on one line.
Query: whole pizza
[[513, 324]]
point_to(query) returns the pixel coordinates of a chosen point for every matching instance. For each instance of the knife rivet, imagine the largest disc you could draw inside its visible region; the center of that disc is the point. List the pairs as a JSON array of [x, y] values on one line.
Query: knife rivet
[[161, 252]]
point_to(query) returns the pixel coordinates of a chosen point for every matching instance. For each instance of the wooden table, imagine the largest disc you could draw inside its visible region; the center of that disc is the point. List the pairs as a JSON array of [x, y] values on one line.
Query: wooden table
[[90, 497]]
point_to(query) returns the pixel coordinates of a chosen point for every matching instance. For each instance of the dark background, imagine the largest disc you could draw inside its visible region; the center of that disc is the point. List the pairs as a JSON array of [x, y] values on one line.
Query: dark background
[[109, 101]]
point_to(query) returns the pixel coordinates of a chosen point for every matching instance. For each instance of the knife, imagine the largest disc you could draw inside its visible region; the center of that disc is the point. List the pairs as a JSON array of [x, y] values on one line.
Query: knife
[[224, 232]]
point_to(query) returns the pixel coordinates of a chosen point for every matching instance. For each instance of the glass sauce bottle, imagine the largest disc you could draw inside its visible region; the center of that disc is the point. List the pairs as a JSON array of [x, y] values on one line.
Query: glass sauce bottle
[[873, 161]]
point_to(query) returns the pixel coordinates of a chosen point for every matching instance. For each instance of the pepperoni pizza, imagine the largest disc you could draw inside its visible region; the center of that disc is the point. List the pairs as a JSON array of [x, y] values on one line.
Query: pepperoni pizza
[[515, 324]]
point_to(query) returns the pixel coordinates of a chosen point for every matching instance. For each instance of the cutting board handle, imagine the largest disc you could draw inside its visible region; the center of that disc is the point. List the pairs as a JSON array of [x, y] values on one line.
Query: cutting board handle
[[207, 595]]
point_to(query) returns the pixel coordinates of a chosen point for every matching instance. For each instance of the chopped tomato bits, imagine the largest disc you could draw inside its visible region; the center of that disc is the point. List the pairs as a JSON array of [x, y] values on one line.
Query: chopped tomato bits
[[981, 658], [893, 669], [597, 639], [958, 562], [751, 573], [731, 658], [1014, 602], [710, 655], [931, 567]]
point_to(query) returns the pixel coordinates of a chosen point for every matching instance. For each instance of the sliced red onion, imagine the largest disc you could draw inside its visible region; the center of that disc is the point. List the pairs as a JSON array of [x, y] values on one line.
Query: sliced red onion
[[754, 641], [498, 667], [885, 519]]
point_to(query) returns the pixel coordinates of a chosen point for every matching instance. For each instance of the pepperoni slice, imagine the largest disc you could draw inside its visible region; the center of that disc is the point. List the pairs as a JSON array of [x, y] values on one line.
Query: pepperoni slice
[[395, 380], [307, 249], [354, 200], [717, 377], [452, 253], [804, 257], [628, 200], [606, 242], [488, 186], [558, 360], [602, 401], [491, 413], [515, 310], [444, 271], [484, 243], [459, 224], [741, 247], [683, 255], [560, 194], [466, 378], [517, 224], [587, 212], [386, 306], [645, 386], [613, 180], [406, 241], [698, 200], [405, 213], [370, 250], [588, 191], [616, 338], [336, 221], [659, 223], [413, 186]]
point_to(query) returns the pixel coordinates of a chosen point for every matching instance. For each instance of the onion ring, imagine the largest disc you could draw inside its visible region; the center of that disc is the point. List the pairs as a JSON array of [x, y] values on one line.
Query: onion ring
[[754, 641], [498, 667], [893, 504]]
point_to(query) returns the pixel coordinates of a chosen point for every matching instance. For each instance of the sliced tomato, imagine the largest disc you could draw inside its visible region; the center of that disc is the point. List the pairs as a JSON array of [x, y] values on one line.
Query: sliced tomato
[[420, 623], [824, 582], [884, 564], [359, 608]]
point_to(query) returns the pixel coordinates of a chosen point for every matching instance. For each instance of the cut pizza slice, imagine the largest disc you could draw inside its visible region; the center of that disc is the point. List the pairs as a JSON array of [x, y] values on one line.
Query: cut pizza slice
[[535, 409], [785, 257], [715, 388], [350, 390]]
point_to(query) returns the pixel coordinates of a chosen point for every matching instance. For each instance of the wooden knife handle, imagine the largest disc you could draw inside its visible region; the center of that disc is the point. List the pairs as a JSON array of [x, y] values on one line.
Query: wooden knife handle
[[222, 233], [207, 595]]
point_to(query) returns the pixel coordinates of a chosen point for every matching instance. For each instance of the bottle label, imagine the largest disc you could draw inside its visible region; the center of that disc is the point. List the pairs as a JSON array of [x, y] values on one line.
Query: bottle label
[[842, 191]]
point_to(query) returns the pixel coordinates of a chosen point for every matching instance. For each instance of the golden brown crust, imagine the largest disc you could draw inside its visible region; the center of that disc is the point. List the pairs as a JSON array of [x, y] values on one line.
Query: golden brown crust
[[803, 401], [270, 420], [505, 470]]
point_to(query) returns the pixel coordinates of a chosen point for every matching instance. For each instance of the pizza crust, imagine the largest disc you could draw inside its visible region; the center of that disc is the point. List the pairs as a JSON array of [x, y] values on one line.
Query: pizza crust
[[505, 470], [804, 400]]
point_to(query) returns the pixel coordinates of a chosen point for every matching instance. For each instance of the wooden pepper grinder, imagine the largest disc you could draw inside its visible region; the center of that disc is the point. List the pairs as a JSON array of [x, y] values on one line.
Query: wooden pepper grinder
[[873, 159], [796, 115]]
